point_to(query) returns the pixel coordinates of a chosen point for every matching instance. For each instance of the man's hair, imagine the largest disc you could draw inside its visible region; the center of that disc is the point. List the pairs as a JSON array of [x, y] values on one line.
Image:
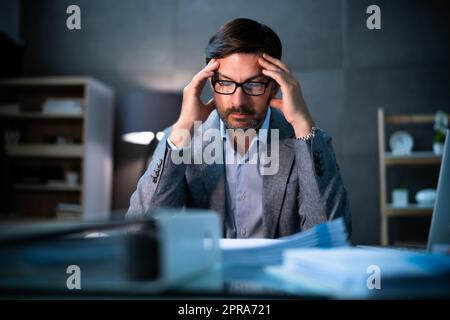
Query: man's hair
[[243, 36]]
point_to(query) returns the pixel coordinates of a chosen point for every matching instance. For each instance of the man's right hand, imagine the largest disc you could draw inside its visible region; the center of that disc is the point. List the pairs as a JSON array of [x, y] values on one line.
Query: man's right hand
[[193, 109]]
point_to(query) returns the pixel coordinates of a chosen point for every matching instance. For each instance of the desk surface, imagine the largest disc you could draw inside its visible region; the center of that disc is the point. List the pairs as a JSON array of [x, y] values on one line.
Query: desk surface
[[221, 283]]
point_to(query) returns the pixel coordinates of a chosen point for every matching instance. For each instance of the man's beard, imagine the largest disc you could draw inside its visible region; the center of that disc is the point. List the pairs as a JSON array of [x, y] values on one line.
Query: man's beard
[[250, 123]]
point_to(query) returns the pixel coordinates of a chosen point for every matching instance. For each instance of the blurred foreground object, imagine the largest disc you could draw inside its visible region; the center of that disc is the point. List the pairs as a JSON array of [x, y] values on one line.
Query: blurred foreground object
[[147, 256]]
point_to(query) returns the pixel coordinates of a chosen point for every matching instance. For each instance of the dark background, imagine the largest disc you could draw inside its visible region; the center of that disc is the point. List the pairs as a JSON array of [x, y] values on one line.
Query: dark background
[[346, 70]]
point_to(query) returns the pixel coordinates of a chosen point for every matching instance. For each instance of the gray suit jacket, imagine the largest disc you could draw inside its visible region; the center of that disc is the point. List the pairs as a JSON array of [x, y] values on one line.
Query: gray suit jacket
[[307, 189]]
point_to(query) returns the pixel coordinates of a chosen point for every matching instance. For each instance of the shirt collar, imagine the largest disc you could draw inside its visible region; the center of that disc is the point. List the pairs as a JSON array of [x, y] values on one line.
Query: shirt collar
[[262, 134]]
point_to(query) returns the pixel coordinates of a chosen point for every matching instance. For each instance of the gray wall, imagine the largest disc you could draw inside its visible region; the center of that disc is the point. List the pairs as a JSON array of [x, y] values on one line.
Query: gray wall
[[10, 18], [346, 71]]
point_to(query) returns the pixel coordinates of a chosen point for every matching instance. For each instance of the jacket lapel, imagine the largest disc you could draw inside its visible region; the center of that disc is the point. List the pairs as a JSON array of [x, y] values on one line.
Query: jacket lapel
[[274, 186], [214, 182]]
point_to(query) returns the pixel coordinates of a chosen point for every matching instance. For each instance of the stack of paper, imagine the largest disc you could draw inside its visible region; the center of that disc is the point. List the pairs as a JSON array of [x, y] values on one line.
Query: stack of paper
[[263, 252], [362, 273]]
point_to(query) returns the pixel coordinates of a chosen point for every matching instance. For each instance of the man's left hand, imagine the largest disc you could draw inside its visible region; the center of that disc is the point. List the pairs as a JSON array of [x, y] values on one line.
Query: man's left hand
[[292, 104]]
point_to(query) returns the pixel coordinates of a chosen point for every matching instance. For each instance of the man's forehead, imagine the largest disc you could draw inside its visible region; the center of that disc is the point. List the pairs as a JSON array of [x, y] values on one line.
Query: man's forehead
[[240, 67]]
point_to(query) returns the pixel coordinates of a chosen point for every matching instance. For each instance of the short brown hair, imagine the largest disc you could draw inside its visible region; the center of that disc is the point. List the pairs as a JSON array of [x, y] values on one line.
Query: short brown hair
[[243, 36]]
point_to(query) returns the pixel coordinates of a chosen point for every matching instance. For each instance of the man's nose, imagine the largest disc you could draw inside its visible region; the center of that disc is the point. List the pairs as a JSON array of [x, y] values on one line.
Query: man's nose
[[239, 97]]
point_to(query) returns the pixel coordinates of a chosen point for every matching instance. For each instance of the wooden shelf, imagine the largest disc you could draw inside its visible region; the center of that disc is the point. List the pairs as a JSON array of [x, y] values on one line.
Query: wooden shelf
[[408, 211], [52, 81], [40, 116], [386, 159], [410, 119], [46, 150], [47, 187], [415, 158]]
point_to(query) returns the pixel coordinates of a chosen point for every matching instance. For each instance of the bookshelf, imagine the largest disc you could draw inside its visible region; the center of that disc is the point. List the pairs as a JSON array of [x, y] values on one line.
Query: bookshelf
[[49, 143], [387, 159]]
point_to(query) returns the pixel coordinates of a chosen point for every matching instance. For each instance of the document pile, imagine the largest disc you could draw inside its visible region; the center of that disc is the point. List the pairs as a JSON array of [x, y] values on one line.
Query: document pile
[[263, 252], [354, 272]]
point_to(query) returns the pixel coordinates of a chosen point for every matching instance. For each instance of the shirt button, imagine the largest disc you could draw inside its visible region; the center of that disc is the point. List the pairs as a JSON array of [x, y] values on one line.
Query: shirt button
[[243, 232], [243, 197]]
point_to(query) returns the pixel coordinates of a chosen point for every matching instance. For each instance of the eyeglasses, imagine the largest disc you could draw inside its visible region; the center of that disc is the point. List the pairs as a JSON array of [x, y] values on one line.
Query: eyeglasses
[[251, 88]]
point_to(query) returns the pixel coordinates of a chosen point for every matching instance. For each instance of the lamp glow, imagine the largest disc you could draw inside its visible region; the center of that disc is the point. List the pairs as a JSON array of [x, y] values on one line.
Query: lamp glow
[[143, 137]]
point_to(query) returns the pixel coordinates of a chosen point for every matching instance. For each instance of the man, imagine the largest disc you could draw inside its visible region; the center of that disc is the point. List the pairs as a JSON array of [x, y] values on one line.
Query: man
[[245, 73]]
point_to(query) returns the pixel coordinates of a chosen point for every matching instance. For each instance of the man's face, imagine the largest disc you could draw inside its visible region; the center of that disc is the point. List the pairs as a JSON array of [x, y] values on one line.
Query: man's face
[[240, 110]]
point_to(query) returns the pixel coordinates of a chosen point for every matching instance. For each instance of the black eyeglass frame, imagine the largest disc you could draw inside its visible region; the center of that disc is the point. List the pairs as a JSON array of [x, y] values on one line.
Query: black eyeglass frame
[[214, 80]]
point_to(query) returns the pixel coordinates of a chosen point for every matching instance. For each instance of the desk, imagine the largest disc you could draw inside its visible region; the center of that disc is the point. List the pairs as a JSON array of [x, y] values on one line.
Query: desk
[[230, 283]]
